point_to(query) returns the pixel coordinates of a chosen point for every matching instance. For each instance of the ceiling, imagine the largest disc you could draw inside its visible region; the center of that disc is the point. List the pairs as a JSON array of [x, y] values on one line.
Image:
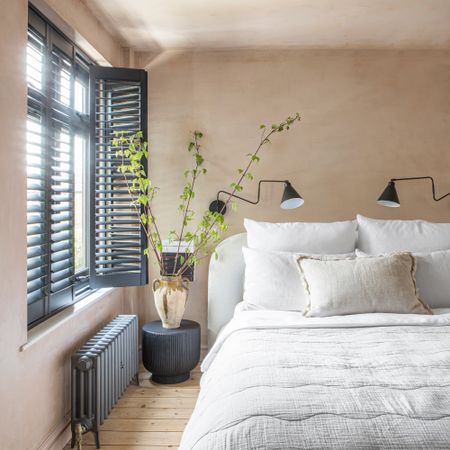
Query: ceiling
[[153, 25]]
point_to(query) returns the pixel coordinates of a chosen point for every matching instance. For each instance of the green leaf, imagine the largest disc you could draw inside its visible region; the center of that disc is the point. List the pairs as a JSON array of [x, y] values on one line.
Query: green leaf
[[143, 199], [262, 126], [199, 159]]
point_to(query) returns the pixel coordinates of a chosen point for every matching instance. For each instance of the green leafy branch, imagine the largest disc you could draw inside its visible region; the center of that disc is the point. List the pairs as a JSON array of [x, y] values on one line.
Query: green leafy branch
[[212, 225], [133, 154], [188, 191]]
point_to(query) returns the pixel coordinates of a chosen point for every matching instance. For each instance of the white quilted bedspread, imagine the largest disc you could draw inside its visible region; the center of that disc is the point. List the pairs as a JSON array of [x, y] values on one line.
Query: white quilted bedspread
[[276, 380]]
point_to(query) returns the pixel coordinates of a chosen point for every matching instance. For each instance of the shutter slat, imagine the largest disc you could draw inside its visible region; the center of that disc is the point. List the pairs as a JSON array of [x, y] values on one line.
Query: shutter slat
[[63, 264], [35, 258], [117, 238], [116, 270], [119, 261], [61, 275], [124, 230], [117, 252], [35, 229], [63, 245], [60, 285], [35, 296], [33, 274], [61, 255], [36, 240], [34, 285], [115, 246]]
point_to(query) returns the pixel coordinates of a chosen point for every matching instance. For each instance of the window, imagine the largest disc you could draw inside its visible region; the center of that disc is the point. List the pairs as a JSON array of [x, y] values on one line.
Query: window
[[79, 227]]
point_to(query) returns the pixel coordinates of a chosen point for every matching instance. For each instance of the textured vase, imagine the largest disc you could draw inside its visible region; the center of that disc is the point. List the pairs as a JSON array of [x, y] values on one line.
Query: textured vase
[[170, 295]]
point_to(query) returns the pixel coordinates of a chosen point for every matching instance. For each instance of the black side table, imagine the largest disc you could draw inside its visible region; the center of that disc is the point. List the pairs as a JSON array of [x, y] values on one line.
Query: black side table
[[170, 354]]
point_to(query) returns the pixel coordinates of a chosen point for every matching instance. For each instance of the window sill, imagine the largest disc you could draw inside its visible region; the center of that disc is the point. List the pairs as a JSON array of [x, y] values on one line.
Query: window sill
[[54, 322]]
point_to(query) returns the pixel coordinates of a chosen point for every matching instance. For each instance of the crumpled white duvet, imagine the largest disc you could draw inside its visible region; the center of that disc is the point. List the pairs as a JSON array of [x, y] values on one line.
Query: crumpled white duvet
[[278, 380]]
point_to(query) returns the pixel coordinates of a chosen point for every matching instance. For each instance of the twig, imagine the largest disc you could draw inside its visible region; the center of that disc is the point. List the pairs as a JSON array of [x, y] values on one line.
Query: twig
[[146, 228], [187, 203]]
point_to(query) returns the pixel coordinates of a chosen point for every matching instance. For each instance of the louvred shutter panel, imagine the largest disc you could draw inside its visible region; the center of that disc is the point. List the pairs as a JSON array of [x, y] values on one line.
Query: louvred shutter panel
[[50, 263], [37, 236], [54, 66], [61, 139], [118, 104]]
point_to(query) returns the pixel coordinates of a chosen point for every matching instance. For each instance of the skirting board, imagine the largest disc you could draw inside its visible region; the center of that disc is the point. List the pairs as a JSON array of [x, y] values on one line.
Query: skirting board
[[58, 437]]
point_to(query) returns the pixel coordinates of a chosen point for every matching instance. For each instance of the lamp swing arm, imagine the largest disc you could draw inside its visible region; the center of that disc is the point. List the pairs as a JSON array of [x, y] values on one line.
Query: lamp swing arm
[[259, 191], [433, 189]]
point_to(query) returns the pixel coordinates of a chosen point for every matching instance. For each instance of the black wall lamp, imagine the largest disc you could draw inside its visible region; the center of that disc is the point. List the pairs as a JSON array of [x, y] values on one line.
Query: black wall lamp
[[290, 199], [389, 197]]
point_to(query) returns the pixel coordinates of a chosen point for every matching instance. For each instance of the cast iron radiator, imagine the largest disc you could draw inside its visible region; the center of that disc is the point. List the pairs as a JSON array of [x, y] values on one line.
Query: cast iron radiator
[[101, 371]]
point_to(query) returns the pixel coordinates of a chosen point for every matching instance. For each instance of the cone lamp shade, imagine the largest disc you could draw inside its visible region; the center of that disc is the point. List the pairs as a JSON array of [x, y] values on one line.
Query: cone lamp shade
[[389, 197], [291, 198]]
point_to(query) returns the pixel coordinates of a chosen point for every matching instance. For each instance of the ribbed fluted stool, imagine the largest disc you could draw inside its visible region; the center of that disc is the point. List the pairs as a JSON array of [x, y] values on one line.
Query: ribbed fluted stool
[[170, 354]]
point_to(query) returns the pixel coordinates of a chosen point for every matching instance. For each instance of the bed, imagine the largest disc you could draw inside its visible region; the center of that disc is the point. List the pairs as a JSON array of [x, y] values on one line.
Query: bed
[[279, 380]]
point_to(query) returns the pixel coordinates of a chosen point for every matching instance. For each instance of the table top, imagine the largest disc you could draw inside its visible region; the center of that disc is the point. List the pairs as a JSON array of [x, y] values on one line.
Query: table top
[[156, 327]]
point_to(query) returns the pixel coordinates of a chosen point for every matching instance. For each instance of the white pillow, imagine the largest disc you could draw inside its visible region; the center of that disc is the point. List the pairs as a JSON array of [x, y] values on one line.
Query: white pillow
[[304, 237], [383, 284], [272, 280], [377, 236], [432, 277]]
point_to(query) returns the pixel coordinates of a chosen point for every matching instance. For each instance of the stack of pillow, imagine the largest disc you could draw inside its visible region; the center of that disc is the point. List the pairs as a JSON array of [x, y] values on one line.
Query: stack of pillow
[[349, 267]]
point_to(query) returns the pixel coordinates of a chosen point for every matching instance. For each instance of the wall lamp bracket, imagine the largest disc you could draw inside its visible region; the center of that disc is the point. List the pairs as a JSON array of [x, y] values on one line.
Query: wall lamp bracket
[[290, 199], [389, 196]]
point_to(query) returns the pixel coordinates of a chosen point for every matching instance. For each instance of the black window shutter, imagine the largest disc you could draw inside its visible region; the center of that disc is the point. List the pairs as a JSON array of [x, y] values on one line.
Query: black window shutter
[[118, 99], [37, 188], [60, 138], [50, 262]]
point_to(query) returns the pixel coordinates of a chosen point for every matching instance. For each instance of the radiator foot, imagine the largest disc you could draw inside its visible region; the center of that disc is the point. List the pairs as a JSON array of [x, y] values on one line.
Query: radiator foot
[[79, 436], [97, 440]]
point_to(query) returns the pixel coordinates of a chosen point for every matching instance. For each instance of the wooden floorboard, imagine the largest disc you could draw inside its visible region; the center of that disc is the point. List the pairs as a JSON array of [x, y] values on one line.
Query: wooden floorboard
[[149, 416], [113, 424], [132, 447], [131, 438]]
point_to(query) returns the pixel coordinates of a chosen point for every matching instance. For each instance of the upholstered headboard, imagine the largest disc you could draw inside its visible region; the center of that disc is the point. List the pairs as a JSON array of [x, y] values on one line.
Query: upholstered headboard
[[225, 283]]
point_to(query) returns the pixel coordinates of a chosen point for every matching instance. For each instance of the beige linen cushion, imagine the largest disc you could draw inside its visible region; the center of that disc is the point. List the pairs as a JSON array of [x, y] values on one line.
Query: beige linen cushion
[[383, 284]]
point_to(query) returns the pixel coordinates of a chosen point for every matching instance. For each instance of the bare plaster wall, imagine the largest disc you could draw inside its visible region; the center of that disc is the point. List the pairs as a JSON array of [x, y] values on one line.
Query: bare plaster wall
[[35, 382], [368, 116]]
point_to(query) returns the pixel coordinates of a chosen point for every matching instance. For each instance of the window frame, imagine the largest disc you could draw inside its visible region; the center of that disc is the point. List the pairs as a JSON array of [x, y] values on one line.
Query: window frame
[[78, 124]]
